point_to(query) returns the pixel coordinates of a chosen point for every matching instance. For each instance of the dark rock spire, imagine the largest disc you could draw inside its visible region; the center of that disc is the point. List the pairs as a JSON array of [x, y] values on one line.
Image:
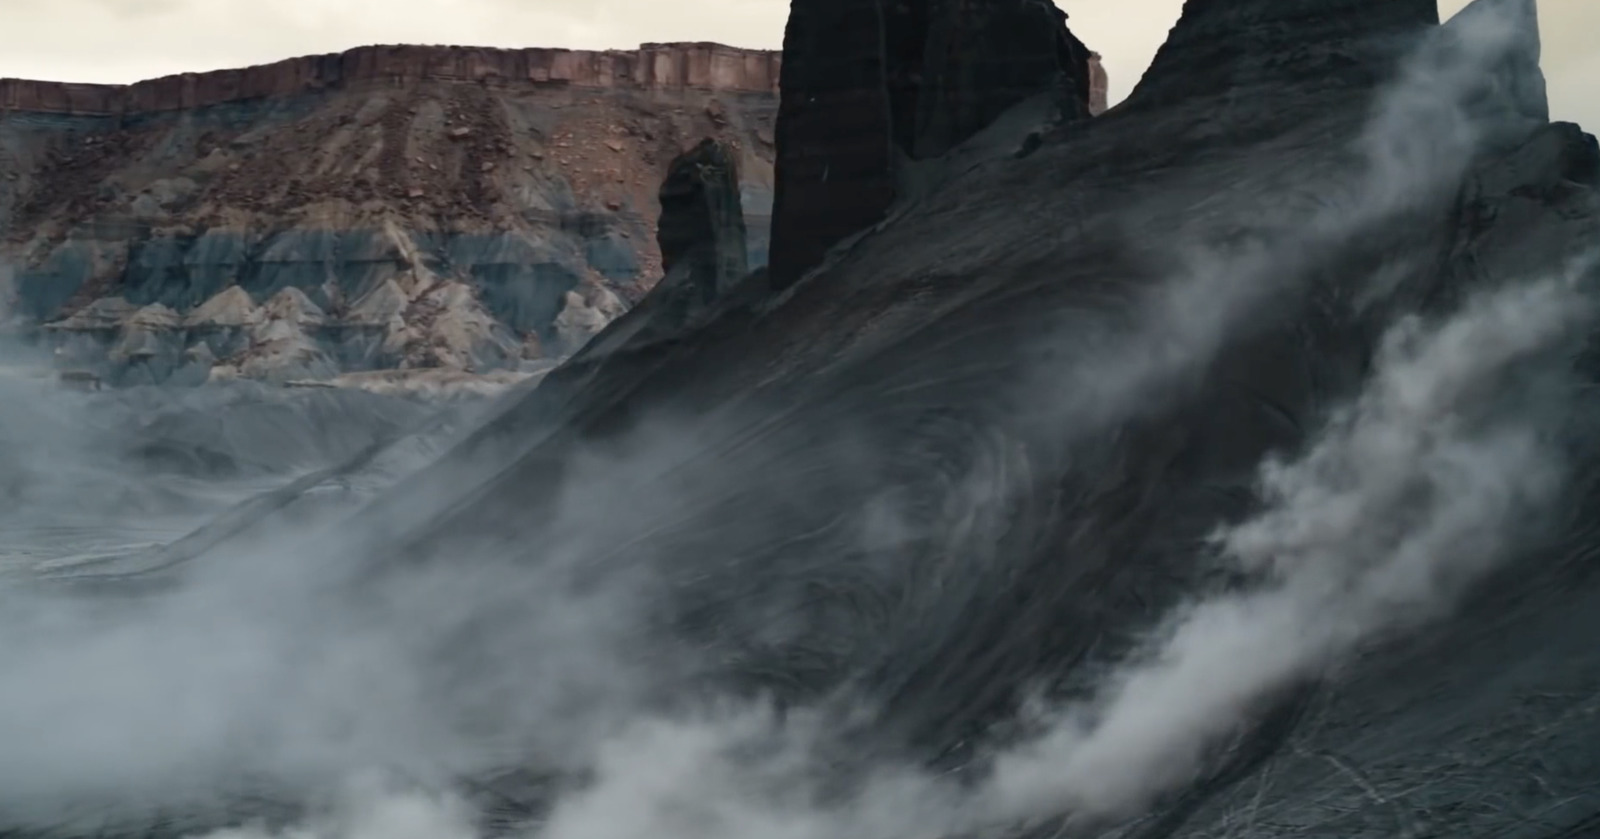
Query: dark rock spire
[[701, 231], [869, 83], [985, 58]]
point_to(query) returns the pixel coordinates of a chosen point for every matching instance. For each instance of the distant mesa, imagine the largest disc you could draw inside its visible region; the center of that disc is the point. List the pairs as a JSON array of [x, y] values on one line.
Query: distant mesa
[[704, 66], [390, 207], [464, 209]]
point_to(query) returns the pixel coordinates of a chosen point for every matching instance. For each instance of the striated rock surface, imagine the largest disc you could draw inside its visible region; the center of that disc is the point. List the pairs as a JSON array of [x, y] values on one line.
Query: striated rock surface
[[1308, 301], [865, 89], [467, 208]]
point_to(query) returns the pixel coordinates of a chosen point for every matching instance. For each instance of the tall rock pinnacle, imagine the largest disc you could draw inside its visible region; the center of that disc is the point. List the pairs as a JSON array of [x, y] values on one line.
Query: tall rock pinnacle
[[868, 84], [702, 230]]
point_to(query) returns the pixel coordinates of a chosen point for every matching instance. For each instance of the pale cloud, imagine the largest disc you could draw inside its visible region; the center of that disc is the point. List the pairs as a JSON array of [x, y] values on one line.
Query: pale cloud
[[127, 40]]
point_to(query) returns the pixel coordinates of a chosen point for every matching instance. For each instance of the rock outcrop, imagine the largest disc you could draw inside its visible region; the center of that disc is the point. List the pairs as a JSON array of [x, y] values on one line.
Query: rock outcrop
[[702, 229], [475, 209], [1099, 85], [867, 86], [702, 239]]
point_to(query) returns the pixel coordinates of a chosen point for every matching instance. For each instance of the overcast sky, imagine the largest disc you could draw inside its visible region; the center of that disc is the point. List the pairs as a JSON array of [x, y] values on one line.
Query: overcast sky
[[128, 40]]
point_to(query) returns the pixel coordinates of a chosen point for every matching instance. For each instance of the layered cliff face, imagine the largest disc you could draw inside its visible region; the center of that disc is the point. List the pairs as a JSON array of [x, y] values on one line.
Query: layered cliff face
[[390, 207], [869, 87]]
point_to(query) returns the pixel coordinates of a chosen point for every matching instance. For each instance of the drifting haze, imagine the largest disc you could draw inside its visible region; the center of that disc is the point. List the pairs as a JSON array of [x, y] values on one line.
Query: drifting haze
[[119, 41]]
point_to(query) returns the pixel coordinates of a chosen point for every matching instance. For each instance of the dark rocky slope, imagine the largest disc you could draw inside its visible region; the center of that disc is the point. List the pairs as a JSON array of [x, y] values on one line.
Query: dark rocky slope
[[980, 452], [1055, 415]]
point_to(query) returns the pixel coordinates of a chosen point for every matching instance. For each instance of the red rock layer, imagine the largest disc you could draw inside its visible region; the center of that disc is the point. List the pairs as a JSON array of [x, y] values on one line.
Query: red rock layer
[[1099, 85], [703, 66]]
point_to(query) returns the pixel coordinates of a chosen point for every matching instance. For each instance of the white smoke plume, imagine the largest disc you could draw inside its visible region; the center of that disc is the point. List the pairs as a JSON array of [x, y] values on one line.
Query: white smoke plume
[[368, 807], [1424, 130], [1411, 494], [259, 669]]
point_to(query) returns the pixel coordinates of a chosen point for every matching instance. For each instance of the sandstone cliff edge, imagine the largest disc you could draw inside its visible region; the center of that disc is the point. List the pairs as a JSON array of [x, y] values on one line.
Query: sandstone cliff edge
[[705, 66]]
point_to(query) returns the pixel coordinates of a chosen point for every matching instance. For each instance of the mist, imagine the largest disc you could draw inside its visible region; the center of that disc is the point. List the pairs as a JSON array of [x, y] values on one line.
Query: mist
[[1411, 494], [246, 674], [1424, 130], [258, 673]]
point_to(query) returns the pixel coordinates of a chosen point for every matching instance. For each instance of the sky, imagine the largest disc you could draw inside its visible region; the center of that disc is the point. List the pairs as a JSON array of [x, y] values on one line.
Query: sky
[[120, 41]]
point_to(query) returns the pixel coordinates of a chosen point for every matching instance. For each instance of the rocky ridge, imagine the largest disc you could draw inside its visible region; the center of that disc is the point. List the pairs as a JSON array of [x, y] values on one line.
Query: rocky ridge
[[385, 208]]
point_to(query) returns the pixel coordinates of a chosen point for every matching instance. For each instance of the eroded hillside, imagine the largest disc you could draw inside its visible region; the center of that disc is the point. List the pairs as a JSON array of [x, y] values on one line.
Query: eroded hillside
[[389, 207]]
